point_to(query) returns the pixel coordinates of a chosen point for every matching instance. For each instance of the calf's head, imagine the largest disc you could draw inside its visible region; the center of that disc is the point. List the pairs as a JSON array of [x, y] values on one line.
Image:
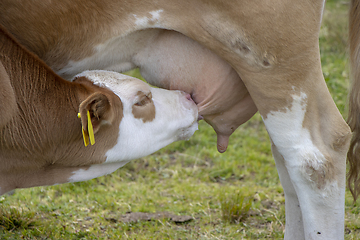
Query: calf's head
[[151, 118]]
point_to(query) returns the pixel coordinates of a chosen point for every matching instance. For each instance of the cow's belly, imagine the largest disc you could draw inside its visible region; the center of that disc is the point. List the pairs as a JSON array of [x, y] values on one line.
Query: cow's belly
[[114, 54]]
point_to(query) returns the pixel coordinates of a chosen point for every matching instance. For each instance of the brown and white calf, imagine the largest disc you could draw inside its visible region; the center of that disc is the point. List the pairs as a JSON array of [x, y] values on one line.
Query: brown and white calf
[[271, 46], [41, 136]]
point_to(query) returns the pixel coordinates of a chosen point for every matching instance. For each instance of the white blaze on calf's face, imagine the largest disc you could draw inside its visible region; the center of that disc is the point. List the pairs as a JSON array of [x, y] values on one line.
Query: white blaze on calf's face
[[152, 117]]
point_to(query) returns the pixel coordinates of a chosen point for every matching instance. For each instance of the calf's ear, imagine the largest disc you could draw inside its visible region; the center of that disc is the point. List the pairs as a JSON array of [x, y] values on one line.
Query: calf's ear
[[100, 112]]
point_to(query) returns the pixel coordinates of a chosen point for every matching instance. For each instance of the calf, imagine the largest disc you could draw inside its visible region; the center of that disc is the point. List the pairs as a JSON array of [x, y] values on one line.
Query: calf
[[47, 123]]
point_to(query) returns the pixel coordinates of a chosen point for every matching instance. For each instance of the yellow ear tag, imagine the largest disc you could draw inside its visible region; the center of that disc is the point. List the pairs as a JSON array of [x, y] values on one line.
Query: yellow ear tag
[[86, 138], [90, 130]]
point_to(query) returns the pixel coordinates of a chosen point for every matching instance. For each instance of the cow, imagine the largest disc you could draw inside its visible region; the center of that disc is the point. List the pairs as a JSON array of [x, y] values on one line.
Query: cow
[[273, 48], [55, 131]]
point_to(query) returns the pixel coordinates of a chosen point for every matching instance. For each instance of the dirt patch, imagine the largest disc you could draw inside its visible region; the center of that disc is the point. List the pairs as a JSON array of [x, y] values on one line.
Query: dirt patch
[[142, 216]]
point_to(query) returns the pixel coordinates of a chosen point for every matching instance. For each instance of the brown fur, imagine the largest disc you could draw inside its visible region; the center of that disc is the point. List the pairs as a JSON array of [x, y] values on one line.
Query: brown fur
[[61, 20], [139, 111], [42, 144], [8, 102]]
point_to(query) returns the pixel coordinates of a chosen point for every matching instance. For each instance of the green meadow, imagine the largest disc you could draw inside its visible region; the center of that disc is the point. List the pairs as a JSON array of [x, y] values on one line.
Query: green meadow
[[187, 190]]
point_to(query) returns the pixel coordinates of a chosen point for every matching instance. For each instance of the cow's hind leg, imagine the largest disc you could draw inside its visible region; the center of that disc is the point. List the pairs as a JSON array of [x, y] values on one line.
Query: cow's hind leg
[[310, 141], [274, 47], [279, 62], [293, 223]]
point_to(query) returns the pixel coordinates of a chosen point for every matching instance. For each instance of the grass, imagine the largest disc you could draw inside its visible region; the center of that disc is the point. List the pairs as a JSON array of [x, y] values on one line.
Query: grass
[[235, 206], [12, 219], [233, 195]]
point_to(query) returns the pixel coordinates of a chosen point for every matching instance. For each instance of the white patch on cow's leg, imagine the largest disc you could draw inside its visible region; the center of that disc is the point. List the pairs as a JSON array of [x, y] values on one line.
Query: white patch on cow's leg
[[294, 224], [320, 194], [95, 171]]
